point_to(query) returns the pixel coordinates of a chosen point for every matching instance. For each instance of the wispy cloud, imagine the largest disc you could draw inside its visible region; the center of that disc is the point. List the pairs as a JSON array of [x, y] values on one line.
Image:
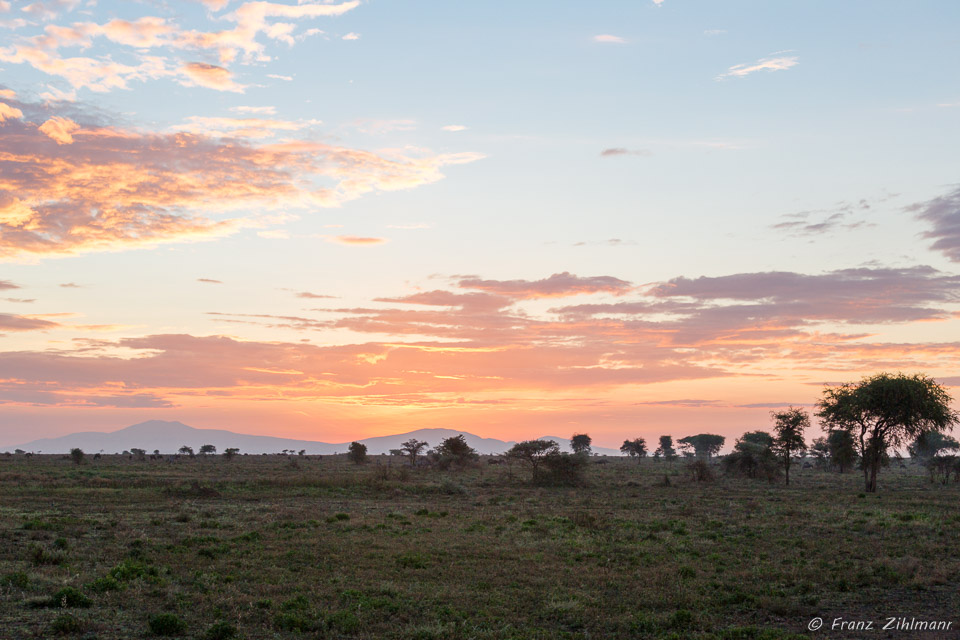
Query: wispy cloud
[[943, 214], [361, 241], [608, 38], [209, 281], [764, 64], [622, 151], [454, 127]]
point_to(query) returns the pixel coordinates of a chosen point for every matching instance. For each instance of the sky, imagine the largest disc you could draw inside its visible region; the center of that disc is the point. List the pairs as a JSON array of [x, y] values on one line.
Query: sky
[[344, 219]]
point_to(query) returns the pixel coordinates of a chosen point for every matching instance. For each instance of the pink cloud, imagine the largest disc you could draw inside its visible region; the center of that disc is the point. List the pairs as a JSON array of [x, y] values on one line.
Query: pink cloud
[[556, 286]]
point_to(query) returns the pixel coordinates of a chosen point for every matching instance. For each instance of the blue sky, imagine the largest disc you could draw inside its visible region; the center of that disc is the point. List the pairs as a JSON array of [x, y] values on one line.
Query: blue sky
[[639, 141]]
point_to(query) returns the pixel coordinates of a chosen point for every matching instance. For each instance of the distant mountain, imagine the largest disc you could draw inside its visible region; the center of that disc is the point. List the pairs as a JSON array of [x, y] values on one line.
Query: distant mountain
[[168, 437]]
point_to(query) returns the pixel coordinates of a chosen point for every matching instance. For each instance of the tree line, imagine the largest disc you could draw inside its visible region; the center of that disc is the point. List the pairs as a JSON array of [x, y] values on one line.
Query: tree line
[[862, 421]]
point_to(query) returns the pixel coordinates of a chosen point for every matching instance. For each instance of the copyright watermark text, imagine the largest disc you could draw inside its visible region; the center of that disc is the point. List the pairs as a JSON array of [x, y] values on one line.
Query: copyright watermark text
[[890, 623]]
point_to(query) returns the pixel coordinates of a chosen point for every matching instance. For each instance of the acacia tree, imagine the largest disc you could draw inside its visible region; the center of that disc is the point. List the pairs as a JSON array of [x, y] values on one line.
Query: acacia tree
[[533, 453], [185, 450], [635, 448], [930, 443], [412, 448], [703, 445], [789, 426], [229, 452], [666, 450], [580, 443], [207, 448], [883, 411]]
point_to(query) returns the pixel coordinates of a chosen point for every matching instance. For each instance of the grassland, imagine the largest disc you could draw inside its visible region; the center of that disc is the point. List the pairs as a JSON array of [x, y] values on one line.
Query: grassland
[[277, 547]]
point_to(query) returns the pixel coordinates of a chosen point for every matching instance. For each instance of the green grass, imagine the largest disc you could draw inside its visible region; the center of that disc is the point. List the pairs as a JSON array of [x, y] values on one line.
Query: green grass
[[264, 549]]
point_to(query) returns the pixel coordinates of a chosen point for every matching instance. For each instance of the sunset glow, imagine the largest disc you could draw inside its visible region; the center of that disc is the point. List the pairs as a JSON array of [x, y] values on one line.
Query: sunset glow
[[337, 220]]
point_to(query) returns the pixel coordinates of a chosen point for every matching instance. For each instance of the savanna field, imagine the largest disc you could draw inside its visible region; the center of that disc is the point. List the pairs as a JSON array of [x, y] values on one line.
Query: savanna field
[[307, 547]]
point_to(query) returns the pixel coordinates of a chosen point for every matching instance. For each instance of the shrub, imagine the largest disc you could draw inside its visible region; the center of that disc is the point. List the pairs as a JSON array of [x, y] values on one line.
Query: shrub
[[701, 471], [18, 580], [76, 454], [753, 458], [166, 624], [104, 584], [222, 630], [41, 555], [564, 470], [343, 621], [67, 623], [69, 598]]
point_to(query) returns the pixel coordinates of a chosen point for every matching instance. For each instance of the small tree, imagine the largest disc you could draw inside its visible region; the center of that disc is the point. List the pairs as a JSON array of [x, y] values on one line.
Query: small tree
[[843, 451], [930, 444], [580, 443], [703, 445], [820, 451], [753, 457], [454, 451], [77, 455], [412, 448], [230, 452], [532, 453], [207, 449], [883, 411], [789, 426], [186, 451], [357, 453], [140, 454], [666, 449], [636, 448]]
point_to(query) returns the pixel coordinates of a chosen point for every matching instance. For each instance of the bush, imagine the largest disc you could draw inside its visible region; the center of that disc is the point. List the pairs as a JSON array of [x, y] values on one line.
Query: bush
[[563, 470], [700, 471], [76, 454], [166, 624], [68, 598], [67, 623], [18, 580], [222, 630], [752, 459], [104, 584]]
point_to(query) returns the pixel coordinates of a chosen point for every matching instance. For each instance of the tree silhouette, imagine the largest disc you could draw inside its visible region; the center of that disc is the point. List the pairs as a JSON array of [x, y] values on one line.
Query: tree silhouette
[[789, 426], [207, 448], [357, 453], [76, 454], [454, 451], [635, 448], [930, 443], [666, 450], [580, 443], [703, 445], [883, 411], [230, 452], [412, 448], [186, 451], [533, 453], [843, 451]]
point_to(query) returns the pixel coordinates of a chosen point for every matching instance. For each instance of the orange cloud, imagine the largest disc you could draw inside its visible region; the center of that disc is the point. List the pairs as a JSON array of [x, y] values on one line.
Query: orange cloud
[[59, 129], [210, 76], [361, 241], [112, 188]]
